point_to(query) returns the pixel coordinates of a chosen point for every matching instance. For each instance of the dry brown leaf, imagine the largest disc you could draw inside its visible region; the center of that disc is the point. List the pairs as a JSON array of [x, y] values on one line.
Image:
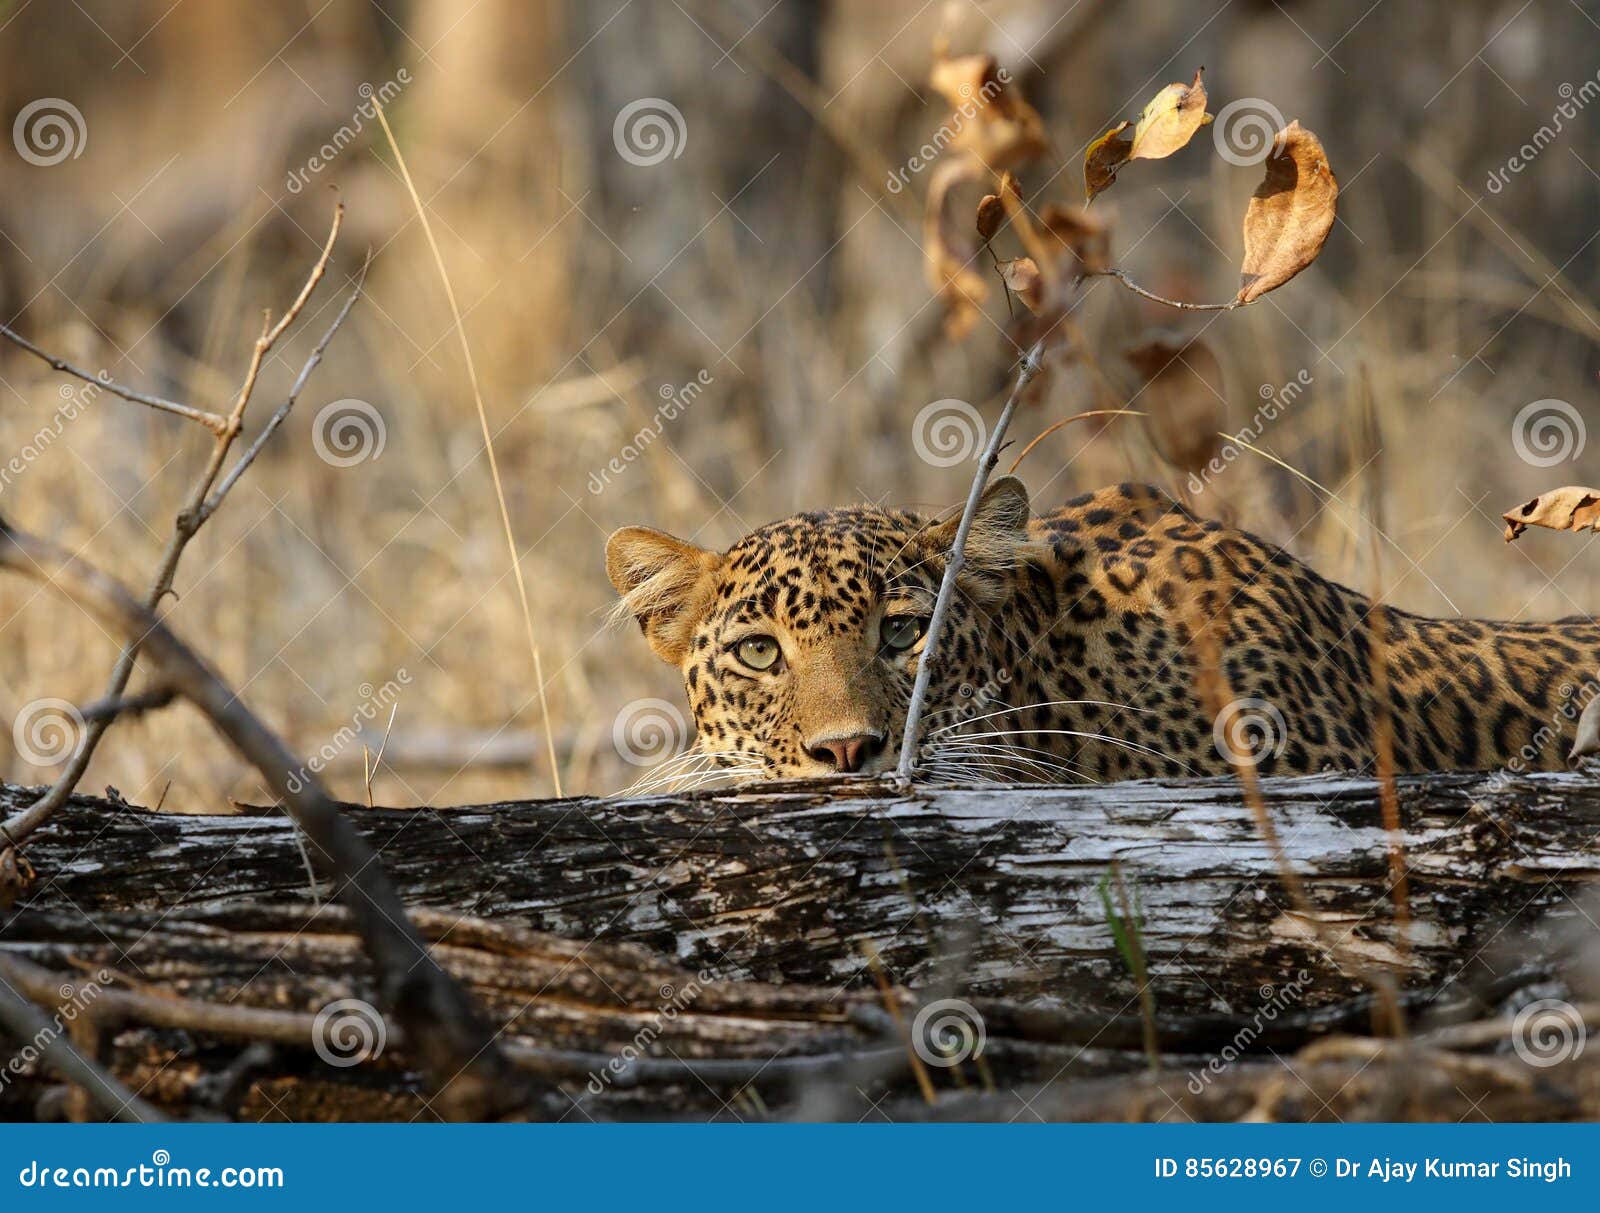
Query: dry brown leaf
[[1022, 278], [949, 251], [16, 876], [1183, 397], [1290, 214], [1170, 120], [1105, 156], [995, 123], [991, 214], [1570, 508]]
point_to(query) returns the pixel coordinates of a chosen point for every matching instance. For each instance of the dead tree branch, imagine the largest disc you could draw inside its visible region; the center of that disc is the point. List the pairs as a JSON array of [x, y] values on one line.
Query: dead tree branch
[[455, 1048], [202, 503]]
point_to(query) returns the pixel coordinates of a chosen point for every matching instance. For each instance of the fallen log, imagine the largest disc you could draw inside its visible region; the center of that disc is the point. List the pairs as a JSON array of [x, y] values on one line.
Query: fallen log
[[569, 920], [992, 889]]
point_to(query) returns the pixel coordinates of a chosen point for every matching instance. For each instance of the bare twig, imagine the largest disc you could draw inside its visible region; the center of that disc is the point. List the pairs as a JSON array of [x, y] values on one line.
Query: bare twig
[[1051, 429], [947, 587], [455, 1046], [212, 421], [283, 410], [488, 446], [202, 503], [128, 705], [28, 1023], [1133, 286]]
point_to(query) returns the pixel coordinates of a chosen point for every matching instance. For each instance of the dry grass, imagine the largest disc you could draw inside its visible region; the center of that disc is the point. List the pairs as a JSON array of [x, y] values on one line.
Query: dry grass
[[587, 285]]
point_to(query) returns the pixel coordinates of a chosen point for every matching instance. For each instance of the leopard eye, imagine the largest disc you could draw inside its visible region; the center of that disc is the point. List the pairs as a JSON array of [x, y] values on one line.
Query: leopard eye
[[757, 652], [900, 632]]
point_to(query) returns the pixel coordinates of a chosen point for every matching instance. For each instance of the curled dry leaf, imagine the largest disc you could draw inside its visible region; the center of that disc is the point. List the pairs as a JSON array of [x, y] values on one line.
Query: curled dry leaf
[[996, 124], [1022, 278], [16, 876], [1170, 120], [991, 214], [1570, 508], [995, 130], [1290, 214], [1587, 742], [949, 251], [1105, 156], [1183, 399]]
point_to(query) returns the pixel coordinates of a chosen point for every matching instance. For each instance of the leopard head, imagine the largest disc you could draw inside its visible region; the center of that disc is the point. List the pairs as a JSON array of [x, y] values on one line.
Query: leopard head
[[799, 645]]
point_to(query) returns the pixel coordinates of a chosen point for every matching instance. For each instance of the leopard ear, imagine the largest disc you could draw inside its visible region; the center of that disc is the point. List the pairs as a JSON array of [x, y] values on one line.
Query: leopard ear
[[997, 544], [664, 583], [1000, 523]]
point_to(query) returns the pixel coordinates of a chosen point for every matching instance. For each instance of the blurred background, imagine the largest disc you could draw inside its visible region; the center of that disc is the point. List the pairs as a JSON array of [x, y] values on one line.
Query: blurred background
[[712, 312]]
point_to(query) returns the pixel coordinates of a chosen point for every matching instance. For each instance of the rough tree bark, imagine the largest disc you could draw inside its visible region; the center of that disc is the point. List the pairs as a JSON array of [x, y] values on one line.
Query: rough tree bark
[[765, 904]]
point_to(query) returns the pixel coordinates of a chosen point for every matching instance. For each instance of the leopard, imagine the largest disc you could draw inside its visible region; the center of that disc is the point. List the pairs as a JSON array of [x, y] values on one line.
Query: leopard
[[1120, 636]]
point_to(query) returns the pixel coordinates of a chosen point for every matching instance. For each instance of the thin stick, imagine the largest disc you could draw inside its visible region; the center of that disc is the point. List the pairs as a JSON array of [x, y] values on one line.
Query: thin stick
[[886, 992], [947, 588], [373, 769], [212, 421], [188, 523], [1051, 429], [128, 705], [1133, 286], [282, 412], [28, 1023], [488, 445]]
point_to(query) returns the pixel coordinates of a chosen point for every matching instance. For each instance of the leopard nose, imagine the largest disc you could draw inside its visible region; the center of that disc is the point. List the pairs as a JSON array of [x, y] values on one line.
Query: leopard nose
[[847, 754]]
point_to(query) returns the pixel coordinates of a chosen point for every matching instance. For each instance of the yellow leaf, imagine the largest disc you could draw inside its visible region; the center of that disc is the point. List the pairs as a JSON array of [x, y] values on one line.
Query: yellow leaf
[[1571, 508], [1170, 120], [1105, 156], [1290, 214]]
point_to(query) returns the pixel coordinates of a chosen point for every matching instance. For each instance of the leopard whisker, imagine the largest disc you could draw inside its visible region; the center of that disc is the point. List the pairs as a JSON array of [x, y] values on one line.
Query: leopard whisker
[[1049, 703], [1021, 757], [1132, 746]]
